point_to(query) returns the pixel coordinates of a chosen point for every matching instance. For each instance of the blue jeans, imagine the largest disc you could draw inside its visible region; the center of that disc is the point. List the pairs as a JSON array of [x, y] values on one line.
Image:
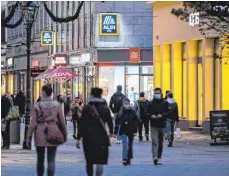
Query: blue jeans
[[170, 129], [127, 146]]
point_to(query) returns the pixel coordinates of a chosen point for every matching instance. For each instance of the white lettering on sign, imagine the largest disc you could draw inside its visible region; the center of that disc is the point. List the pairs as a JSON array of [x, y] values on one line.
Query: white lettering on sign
[[62, 74], [60, 60], [134, 55], [194, 19]]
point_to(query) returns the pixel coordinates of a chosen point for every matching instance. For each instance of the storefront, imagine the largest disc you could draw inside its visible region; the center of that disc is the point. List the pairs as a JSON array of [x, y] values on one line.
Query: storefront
[[10, 76], [115, 69]]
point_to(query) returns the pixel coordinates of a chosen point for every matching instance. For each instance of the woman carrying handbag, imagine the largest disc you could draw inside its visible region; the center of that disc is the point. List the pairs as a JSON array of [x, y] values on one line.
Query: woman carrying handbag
[[49, 128], [92, 130]]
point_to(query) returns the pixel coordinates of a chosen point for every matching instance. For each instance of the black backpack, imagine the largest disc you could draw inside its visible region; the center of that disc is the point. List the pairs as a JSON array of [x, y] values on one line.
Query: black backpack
[[143, 107], [118, 101]]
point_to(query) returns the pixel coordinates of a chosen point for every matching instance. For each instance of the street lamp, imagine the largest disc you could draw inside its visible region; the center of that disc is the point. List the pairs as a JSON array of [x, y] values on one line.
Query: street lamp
[[29, 14]]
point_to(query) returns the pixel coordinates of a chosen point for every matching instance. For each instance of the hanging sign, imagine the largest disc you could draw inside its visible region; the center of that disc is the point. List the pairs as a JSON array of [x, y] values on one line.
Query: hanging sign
[[194, 19], [47, 38], [60, 60], [109, 24], [35, 73], [35, 63]]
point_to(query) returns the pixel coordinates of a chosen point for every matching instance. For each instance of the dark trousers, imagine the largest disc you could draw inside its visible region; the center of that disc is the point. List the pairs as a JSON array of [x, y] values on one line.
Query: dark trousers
[[74, 126], [157, 135], [6, 135], [51, 155], [99, 169], [145, 122]]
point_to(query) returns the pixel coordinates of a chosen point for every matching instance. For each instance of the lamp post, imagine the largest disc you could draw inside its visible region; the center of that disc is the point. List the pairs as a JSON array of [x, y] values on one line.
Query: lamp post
[[29, 12]]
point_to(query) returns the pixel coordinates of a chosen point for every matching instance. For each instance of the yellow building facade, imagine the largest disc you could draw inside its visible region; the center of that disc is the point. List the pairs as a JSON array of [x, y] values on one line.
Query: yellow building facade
[[184, 63]]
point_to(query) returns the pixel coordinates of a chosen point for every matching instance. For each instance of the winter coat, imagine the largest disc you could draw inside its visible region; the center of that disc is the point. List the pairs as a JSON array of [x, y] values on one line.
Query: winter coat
[[116, 101], [20, 101], [50, 109], [140, 107], [127, 121], [95, 148], [5, 106], [156, 107], [173, 110]]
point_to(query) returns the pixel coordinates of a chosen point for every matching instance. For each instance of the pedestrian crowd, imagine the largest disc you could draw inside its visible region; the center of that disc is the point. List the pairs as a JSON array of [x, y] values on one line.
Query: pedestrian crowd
[[90, 122]]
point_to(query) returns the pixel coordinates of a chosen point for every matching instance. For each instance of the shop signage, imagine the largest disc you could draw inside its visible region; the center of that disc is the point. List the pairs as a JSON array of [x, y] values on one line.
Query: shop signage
[[35, 73], [194, 19], [10, 62], [219, 125], [60, 38], [60, 60], [82, 59], [47, 38], [35, 63], [134, 55], [109, 24]]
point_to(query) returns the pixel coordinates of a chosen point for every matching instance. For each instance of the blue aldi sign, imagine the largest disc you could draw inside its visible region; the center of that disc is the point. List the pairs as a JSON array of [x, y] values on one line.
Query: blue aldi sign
[[47, 38], [109, 24]]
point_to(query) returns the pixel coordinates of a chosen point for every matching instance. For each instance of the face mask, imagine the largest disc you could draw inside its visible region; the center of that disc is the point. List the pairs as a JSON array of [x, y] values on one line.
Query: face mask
[[126, 106], [157, 96]]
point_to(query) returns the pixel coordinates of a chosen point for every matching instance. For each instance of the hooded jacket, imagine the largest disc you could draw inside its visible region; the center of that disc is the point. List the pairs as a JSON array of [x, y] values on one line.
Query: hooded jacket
[[116, 101], [173, 110]]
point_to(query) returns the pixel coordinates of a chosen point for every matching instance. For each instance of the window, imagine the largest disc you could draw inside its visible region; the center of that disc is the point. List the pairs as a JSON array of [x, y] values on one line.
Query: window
[[41, 18], [3, 29], [73, 26]]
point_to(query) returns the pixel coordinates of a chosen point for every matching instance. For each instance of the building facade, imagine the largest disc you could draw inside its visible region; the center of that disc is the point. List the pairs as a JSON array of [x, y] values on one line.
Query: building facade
[[184, 63]]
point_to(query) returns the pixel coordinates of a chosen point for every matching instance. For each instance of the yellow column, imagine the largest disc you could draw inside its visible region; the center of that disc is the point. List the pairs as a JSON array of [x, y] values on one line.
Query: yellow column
[[225, 75], [177, 74], [166, 57], [184, 79], [192, 83], [157, 66], [208, 75], [217, 80]]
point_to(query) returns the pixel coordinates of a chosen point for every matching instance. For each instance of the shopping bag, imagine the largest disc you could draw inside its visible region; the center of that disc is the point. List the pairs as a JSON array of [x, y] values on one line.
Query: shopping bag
[[178, 133], [3, 126], [13, 113]]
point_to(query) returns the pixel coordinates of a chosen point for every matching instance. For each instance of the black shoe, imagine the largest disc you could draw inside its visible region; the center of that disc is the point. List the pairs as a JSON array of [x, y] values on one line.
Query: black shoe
[[125, 162], [147, 137], [140, 138], [170, 144], [128, 162], [5, 147], [74, 136], [155, 160]]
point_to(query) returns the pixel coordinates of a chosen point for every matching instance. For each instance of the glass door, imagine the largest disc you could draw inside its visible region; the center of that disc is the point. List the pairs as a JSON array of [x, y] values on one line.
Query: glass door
[[132, 87], [147, 86]]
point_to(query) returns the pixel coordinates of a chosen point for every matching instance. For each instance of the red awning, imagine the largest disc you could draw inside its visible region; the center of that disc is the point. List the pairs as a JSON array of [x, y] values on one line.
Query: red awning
[[61, 73]]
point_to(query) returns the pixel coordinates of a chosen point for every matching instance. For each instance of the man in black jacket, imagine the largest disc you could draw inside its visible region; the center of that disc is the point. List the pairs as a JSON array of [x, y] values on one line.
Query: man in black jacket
[[115, 106], [158, 111]]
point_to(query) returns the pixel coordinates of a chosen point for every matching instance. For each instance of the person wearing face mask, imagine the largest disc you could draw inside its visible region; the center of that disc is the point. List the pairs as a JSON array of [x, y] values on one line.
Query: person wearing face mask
[[158, 111], [127, 120]]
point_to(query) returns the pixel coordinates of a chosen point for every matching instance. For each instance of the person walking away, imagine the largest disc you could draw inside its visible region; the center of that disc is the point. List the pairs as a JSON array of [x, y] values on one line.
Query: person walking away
[[13, 96], [173, 117], [77, 109], [10, 99], [115, 106], [158, 111], [128, 121], [92, 130], [67, 105], [20, 101], [5, 108], [166, 94], [141, 109], [60, 99], [46, 115]]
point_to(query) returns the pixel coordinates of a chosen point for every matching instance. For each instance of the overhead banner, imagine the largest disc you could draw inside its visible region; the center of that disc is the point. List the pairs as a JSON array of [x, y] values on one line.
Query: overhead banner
[[109, 24], [47, 38]]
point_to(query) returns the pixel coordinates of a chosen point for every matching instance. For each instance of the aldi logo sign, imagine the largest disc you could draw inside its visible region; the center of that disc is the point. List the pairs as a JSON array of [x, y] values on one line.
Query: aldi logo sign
[[109, 24], [47, 38]]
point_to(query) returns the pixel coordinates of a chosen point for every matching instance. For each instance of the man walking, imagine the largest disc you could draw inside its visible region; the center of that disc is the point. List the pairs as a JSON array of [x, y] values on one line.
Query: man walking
[[172, 118], [158, 111], [115, 106], [141, 108]]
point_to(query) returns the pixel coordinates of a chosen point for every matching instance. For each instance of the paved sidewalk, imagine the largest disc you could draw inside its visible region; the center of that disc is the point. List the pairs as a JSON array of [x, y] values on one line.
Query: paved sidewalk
[[191, 156]]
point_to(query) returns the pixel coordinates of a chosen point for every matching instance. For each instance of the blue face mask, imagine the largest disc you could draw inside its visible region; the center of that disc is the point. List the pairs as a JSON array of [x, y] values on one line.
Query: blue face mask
[[157, 96], [126, 106]]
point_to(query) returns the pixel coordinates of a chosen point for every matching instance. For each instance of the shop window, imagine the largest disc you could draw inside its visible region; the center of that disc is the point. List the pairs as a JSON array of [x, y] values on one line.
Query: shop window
[[146, 69], [132, 70]]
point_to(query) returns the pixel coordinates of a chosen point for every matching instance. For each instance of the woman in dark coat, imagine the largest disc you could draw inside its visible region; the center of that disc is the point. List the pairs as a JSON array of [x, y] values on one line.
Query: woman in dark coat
[[60, 99], [127, 121], [92, 130], [20, 101]]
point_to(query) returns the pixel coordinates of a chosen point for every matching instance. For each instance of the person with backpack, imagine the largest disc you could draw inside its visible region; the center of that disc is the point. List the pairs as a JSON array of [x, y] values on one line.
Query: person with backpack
[[173, 117], [158, 111], [128, 121], [48, 125], [115, 106], [92, 130], [141, 108], [77, 109]]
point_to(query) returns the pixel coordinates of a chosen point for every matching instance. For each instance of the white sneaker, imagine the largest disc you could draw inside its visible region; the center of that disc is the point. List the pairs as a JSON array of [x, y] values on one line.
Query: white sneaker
[[118, 142], [159, 161], [155, 160]]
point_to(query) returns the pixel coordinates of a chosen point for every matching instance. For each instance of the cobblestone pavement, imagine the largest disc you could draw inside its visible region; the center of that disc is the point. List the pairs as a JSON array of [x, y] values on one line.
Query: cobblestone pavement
[[191, 156]]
